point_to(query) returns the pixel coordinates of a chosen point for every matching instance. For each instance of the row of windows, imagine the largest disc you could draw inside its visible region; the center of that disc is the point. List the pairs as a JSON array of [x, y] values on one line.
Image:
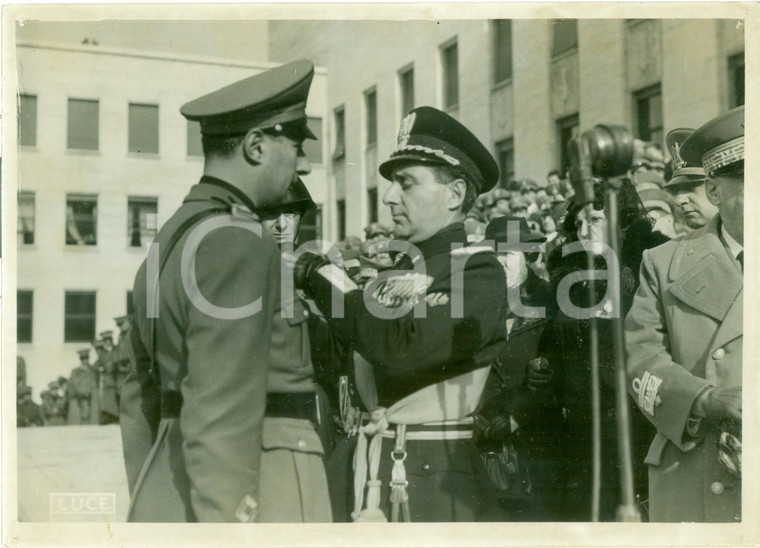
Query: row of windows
[[79, 318], [82, 219], [83, 128]]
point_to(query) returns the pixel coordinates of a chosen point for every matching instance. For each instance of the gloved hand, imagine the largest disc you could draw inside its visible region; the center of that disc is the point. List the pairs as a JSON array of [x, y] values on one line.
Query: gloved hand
[[306, 265], [499, 428], [538, 374], [719, 403], [730, 453]]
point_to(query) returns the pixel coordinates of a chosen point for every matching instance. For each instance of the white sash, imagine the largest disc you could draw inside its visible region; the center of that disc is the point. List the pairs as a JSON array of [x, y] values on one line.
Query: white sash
[[451, 399]]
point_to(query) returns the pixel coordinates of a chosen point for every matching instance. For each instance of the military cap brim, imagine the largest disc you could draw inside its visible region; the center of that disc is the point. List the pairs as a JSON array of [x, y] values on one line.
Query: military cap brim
[[717, 144], [432, 137], [683, 172], [106, 334], [266, 100]]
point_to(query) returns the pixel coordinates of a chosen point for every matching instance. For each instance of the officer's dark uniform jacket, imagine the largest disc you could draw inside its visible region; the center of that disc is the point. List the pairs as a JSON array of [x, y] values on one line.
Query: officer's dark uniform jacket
[[193, 445], [411, 353]]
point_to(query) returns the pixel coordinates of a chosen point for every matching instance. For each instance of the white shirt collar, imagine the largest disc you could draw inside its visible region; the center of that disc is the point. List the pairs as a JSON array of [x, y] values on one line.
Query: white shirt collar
[[733, 245]]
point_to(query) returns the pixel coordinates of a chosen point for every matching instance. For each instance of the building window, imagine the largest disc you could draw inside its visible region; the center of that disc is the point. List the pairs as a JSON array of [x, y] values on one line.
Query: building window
[[736, 80], [27, 120], [340, 133], [406, 84], [79, 316], [130, 303], [25, 218], [450, 63], [567, 130], [341, 210], [81, 220], [505, 152], [24, 309], [502, 50], [143, 129], [372, 204], [312, 148], [194, 142], [142, 221], [83, 125], [370, 107], [311, 226], [565, 35], [648, 114]]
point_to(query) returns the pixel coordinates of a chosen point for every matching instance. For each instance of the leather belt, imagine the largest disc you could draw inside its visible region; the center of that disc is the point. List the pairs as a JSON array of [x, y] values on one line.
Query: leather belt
[[293, 405]]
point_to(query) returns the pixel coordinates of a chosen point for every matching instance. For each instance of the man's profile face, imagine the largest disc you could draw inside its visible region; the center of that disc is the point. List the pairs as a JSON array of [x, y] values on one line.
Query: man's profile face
[[692, 199], [418, 202], [283, 162]]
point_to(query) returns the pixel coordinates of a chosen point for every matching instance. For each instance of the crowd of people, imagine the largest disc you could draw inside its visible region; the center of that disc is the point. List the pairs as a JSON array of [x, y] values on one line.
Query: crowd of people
[[430, 373], [90, 394]]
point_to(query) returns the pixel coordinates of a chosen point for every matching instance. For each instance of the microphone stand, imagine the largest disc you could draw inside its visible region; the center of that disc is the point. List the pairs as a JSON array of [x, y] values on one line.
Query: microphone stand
[[581, 175], [627, 511]]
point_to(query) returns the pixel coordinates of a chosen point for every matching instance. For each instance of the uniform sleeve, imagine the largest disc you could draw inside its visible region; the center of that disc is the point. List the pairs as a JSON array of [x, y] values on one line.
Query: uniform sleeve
[[406, 348], [663, 389], [139, 407], [224, 392]]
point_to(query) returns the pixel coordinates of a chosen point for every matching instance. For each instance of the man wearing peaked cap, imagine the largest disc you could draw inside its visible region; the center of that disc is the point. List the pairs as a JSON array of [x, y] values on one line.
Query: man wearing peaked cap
[[216, 425], [687, 183], [684, 337], [83, 404], [284, 221], [416, 371]]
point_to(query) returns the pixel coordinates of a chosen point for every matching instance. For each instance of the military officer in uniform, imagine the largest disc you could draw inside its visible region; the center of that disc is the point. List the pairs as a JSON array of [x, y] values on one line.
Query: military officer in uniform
[[424, 341], [105, 367], [218, 416], [54, 409], [83, 401], [687, 183], [684, 337]]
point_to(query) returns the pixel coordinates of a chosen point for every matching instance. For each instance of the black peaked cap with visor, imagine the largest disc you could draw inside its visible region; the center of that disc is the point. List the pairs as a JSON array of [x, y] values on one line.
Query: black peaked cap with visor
[[429, 136], [274, 99]]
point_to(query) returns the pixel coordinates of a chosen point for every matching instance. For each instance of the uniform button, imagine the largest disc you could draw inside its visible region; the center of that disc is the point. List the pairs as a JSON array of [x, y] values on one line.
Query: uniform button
[[717, 488], [306, 313], [301, 444], [718, 354], [425, 467]]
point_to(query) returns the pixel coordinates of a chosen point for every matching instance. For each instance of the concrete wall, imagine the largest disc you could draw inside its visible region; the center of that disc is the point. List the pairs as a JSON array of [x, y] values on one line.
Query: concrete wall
[[115, 78]]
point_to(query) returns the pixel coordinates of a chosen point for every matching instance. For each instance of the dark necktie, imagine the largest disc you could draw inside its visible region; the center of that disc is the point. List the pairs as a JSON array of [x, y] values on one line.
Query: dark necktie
[[740, 258]]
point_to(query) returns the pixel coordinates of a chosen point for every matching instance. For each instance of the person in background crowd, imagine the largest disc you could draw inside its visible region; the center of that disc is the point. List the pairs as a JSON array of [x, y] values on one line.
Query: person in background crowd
[[660, 207], [684, 336], [218, 414], [106, 368], [501, 202], [415, 372], [532, 290], [28, 413], [687, 184], [83, 401], [564, 344], [519, 207], [54, 409]]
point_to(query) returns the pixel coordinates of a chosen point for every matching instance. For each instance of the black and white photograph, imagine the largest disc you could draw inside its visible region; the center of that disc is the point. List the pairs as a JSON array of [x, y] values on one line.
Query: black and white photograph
[[317, 270]]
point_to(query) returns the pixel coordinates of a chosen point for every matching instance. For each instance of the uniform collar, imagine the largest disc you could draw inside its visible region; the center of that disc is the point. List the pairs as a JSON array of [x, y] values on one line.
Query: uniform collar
[[230, 193], [733, 246], [441, 241]]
